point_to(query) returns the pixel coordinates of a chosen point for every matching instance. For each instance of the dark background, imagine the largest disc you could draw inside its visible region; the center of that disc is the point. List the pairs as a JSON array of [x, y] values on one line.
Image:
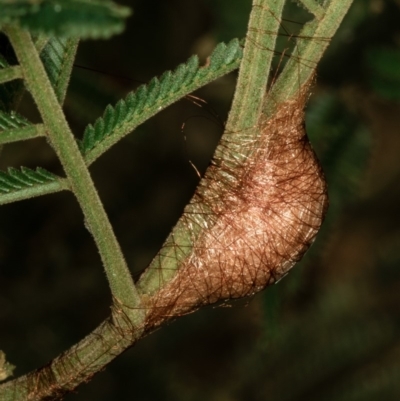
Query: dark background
[[329, 331]]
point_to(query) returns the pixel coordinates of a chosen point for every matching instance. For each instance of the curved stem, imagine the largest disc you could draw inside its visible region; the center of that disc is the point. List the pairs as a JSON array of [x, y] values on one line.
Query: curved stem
[[77, 365], [63, 141], [10, 73]]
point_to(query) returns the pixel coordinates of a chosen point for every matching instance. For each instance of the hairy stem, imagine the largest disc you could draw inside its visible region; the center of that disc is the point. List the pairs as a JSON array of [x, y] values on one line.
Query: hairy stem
[[64, 143], [311, 44], [314, 8], [254, 70], [10, 73], [76, 365], [22, 134]]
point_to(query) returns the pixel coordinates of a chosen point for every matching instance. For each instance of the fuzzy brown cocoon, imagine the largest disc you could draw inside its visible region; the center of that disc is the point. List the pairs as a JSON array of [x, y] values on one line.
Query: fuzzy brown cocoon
[[261, 216]]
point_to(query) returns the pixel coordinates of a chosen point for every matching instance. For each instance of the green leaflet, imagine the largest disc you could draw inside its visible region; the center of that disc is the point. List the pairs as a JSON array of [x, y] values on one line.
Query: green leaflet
[[12, 120], [24, 183], [119, 120], [67, 18], [58, 57]]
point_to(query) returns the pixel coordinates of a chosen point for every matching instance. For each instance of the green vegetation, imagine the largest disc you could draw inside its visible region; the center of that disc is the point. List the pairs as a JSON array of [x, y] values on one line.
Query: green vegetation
[[306, 322]]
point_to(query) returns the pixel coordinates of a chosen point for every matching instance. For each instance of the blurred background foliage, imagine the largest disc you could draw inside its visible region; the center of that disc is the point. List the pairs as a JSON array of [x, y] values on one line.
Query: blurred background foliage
[[330, 330]]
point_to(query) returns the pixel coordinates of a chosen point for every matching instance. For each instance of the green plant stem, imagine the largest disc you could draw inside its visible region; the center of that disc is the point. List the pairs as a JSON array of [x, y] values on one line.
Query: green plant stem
[[314, 8], [61, 184], [254, 70], [207, 75], [64, 143], [311, 44], [22, 134], [41, 41], [10, 73], [73, 367]]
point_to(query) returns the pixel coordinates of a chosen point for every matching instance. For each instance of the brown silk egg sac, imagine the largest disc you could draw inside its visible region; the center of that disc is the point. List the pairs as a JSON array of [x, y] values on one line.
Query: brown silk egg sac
[[258, 217]]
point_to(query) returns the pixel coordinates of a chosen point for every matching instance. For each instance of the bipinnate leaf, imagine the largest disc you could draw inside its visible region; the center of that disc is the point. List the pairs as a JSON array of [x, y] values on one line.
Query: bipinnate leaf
[[119, 120], [67, 18], [24, 183]]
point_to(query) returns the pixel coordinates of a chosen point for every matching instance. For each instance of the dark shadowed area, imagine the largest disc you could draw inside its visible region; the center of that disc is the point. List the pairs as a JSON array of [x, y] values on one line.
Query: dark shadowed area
[[330, 330]]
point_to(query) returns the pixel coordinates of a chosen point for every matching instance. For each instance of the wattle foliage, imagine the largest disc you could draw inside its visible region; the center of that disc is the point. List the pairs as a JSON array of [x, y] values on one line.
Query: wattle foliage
[[119, 120]]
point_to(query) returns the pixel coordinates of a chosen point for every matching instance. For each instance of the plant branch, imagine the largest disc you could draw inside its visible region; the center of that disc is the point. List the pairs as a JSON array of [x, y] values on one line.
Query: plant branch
[[10, 73], [59, 184], [41, 41], [227, 60], [254, 70], [74, 366], [22, 134], [64, 143], [314, 8], [311, 44]]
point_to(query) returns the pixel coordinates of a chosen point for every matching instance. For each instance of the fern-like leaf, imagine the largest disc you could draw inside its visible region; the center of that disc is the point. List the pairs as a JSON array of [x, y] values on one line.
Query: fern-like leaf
[[58, 58], [119, 120], [24, 183], [67, 18]]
